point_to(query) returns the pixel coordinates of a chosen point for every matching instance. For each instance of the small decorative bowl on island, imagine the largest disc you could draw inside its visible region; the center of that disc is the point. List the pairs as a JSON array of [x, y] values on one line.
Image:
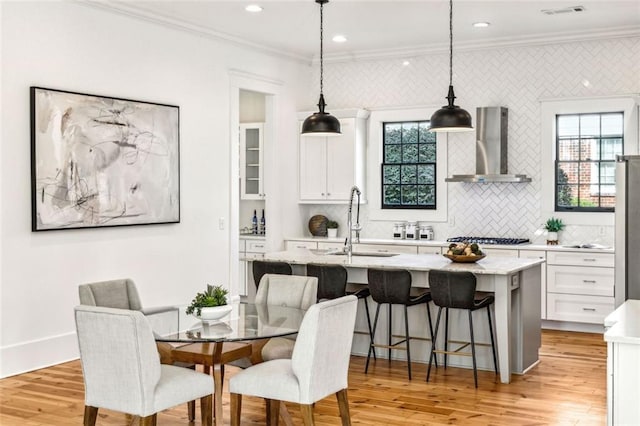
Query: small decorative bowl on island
[[464, 253]]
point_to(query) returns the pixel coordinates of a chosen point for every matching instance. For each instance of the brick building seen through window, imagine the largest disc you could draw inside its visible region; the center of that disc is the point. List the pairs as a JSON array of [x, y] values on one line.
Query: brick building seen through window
[[586, 147]]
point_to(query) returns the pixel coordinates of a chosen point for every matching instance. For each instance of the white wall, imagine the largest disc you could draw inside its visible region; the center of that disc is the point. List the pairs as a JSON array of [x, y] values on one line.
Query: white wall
[[516, 77], [76, 47]]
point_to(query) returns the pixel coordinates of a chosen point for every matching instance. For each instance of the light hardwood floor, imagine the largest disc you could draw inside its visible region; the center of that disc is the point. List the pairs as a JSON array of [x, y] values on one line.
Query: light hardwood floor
[[568, 387]]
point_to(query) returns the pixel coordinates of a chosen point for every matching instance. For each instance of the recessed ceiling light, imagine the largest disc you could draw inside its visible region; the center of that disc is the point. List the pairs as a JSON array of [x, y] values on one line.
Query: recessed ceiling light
[[339, 38], [253, 8], [481, 24], [406, 63]]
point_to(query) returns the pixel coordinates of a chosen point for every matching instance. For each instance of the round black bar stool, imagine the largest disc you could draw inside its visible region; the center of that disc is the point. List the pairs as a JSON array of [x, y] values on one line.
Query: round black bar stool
[[393, 287], [457, 290], [261, 267], [332, 283]]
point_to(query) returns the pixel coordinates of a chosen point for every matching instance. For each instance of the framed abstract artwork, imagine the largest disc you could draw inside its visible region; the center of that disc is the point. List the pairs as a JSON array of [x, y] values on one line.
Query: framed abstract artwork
[[98, 161]]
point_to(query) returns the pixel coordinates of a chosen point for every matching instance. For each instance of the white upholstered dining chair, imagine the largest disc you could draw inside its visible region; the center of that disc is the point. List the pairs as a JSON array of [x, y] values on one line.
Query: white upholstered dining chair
[[293, 291], [123, 294], [318, 367], [122, 371]]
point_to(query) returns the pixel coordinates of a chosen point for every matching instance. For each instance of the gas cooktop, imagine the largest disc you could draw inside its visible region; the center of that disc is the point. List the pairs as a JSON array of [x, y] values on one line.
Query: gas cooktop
[[489, 240]]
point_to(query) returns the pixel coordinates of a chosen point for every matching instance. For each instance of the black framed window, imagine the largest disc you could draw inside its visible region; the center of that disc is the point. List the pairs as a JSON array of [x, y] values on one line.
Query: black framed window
[[586, 149], [409, 166]]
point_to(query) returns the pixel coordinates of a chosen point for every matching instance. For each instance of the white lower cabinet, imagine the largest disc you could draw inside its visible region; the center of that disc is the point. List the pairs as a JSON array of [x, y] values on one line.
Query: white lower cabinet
[[580, 286], [577, 308], [249, 250], [431, 250], [301, 245]]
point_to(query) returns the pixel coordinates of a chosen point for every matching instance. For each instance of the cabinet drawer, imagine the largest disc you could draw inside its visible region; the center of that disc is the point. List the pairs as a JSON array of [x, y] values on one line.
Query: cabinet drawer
[[429, 250], [241, 245], [580, 259], [568, 307], [328, 246], [499, 252], [580, 280], [385, 248], [256, 246], [251, 256], [538, 254], [301, 245]]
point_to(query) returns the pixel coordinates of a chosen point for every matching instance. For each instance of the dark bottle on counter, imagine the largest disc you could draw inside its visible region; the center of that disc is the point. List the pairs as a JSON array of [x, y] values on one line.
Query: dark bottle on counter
[[263, 224], [254, 223]]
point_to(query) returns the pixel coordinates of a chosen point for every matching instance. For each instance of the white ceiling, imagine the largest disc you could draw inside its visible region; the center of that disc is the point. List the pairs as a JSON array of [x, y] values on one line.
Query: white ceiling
[[381, 27]]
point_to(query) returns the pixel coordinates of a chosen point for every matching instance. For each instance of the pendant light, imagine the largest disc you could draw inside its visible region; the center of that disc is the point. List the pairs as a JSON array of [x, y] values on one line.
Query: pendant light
[[451, 118], [321, 123]]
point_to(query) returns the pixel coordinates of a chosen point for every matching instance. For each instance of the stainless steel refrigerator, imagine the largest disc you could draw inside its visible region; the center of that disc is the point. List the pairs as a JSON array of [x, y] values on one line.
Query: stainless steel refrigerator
[[627, 243]]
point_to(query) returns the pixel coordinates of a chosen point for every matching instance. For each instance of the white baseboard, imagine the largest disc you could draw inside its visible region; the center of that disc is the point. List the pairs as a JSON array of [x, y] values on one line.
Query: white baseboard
[[36, 354], [573, 326]]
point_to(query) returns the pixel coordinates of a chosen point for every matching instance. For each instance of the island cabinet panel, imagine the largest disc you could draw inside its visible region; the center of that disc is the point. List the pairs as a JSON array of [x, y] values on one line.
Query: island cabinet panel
[[539, 254], [499, 252]]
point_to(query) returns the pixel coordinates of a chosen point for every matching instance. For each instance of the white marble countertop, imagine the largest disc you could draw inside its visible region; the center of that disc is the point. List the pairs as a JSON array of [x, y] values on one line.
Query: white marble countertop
[[624, 323], [433, 243], [490, 265]]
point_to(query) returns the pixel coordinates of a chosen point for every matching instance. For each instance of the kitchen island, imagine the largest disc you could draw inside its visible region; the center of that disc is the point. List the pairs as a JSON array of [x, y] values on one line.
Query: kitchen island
[[514, 281]]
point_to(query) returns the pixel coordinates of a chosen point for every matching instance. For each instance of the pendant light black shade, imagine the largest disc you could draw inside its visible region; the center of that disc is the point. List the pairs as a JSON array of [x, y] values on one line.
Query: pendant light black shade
[[450, 118], [321, 123]]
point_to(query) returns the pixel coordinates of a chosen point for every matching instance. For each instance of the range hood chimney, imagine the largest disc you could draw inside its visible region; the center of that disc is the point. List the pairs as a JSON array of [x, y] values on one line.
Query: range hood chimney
[[491, 149]]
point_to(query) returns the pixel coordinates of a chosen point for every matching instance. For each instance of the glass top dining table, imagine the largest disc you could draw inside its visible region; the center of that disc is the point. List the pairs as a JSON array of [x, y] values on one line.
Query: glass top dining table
[[246, 321]]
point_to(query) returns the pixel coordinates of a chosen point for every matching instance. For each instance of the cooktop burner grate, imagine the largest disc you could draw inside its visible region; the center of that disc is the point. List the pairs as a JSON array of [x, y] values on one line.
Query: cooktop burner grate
[[489, 240]]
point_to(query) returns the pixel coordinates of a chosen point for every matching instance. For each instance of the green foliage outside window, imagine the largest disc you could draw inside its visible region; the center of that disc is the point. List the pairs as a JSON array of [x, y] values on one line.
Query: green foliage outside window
[[409, 167]]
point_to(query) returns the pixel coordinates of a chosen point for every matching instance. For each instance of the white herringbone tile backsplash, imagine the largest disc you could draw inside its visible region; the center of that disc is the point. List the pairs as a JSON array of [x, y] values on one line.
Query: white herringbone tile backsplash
[[517, 78]]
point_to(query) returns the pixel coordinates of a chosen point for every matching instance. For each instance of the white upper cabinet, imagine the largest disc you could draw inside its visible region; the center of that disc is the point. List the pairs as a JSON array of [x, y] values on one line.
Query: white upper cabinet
[[251, 161], [330, 166]]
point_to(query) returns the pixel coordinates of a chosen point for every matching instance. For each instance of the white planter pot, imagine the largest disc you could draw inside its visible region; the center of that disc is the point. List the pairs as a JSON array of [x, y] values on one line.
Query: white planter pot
[[214, 313], [332, 232], [552, 238]]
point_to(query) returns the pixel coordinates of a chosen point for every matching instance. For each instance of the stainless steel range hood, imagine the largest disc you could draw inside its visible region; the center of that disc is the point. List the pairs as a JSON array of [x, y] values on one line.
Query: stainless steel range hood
[[491, 149]]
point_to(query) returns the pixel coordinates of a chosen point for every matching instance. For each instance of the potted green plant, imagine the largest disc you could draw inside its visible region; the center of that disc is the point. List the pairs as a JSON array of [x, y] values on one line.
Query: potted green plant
[[553, 226], [332, 229], [211, 304]]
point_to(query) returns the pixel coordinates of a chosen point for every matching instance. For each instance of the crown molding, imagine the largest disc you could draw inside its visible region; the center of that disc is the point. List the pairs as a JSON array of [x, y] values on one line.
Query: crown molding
[[122, 8], [364, 55], [496, 43]]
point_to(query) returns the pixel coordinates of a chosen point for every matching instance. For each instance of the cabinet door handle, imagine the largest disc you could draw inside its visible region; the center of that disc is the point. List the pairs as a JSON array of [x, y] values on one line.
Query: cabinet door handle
[[382, 251], [259, 246], [328, 194], [322, 193], [589, 281], [589, 260], [301, 247], [589, 309]]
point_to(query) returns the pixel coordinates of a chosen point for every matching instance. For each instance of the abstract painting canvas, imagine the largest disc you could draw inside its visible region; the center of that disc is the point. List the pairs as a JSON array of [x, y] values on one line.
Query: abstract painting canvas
[[98, 161]]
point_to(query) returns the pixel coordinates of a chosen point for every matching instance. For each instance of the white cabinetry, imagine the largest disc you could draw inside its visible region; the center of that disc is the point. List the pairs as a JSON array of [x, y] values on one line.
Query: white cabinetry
[[623, 369], [249, 250], [329, 166], [251, 161], [580, 286], [431, 250]]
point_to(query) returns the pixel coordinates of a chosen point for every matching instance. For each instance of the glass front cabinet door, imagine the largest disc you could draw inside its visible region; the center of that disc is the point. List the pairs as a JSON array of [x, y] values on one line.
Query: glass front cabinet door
[[251, 161]]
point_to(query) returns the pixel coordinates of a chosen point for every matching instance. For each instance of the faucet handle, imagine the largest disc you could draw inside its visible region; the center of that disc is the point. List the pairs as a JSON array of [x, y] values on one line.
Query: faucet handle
[[356, 227]]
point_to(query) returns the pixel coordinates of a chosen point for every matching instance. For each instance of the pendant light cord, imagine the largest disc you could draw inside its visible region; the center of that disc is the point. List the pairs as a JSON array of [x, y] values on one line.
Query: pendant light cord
[[321, 47], [450, 43]]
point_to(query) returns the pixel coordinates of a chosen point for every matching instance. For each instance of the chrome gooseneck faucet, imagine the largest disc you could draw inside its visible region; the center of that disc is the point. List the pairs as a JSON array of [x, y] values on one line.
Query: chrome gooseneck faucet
[[350, 226]]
